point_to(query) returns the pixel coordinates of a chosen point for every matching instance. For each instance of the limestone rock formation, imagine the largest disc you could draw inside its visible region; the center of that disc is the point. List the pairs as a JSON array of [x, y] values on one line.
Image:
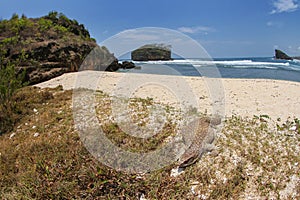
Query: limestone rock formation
[[49, 59], [281, 55], [101, 59], [152, 52], [127, 65], [48, 46]]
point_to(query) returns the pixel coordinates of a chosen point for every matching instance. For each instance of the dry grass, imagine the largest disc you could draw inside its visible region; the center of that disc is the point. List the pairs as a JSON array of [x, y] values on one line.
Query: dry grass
[[252, 161], [43, 158]]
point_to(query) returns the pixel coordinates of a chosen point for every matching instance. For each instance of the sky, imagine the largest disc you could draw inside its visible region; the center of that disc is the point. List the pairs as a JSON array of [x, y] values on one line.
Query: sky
[[225, 28]]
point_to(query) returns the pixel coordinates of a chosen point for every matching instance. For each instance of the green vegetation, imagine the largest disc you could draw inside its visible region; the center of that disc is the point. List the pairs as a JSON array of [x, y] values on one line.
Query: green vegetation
[[10, 82], [18, 32], [11, 40], [22, 34], [52, 43], [52, 26], [43, 157], [44, 24]]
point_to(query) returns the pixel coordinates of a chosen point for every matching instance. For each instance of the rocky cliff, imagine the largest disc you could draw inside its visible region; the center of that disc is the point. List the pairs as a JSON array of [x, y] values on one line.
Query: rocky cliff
[[48, 46], [152, 52]]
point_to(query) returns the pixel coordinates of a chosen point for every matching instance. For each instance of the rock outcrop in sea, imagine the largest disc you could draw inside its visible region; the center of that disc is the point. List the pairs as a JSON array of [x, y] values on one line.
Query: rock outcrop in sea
[[283, 56], [152, 52]]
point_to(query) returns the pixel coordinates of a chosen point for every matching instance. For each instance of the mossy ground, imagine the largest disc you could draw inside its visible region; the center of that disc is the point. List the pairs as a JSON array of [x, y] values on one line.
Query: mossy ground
[[44, 158]]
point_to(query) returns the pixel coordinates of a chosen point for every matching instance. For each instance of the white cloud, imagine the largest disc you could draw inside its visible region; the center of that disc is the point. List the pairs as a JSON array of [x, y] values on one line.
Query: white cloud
[[196, 29], [274, 24], [281, 6]]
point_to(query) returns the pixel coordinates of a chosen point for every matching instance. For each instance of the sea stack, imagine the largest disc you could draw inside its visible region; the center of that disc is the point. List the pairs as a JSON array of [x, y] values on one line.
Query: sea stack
[[152, 52], [281, 55]]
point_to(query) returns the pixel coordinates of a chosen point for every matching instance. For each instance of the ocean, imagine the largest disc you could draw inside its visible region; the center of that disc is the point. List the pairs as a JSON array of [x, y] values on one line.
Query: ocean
[[252, 68]]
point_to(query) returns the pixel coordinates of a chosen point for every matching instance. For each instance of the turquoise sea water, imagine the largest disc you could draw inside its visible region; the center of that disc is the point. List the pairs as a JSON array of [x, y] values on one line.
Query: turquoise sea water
[[264, 68]]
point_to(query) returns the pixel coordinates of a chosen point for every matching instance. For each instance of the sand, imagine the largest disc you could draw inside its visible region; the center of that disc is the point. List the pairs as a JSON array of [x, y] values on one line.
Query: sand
[[243, 97]]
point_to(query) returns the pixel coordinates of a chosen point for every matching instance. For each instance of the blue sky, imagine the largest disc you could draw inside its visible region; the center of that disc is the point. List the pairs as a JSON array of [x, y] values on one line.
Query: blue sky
[[225, 28]]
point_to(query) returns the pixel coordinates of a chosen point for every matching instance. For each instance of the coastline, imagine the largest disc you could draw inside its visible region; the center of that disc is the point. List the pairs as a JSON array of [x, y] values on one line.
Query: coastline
[[242, 97]]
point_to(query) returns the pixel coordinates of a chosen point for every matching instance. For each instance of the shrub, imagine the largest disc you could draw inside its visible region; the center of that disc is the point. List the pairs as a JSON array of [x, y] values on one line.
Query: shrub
[[60, 29], [16, 24], [15, 16], [44, 24], [10, 40], [10, 82], [52, 16], [24, 23]]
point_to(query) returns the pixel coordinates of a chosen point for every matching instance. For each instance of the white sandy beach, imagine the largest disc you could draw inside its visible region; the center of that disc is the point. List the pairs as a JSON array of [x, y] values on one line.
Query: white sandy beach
[[244, 97]]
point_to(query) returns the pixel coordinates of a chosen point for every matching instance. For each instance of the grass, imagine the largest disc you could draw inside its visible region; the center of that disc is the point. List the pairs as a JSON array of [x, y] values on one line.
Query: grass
[[139, 114], [44, 158]]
